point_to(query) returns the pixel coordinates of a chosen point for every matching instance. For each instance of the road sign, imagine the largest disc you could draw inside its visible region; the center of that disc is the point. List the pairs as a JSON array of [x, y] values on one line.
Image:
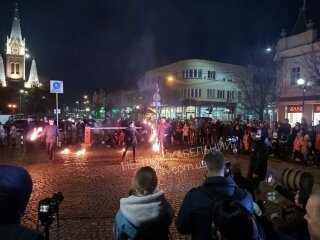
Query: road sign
[[56, 86], [156, 104], [55, 111], [156, 97]]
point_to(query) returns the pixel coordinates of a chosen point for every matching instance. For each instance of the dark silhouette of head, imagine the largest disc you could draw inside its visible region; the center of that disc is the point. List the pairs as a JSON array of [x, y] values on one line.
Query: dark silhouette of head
[[15, 191], [232, 221]]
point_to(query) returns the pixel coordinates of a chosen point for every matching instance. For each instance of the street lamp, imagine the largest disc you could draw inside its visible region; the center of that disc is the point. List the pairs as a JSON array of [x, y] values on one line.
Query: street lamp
[[20, 99], [304, 84], [12, 107]]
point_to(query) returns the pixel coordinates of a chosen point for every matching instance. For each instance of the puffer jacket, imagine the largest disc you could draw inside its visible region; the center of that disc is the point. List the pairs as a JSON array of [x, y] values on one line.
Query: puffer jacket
[[194, 216]]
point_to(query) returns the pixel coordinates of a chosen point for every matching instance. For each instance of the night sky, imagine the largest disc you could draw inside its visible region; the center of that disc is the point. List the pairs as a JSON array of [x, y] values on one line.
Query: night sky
[[92, 44]]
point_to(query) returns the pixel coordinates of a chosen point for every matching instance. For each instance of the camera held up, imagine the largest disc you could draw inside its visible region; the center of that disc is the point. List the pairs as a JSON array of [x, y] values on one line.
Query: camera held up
[[48, 210]]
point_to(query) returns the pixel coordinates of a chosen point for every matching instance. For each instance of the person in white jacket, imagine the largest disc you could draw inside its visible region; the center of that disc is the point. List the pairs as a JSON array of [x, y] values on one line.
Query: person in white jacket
[[145, 214]]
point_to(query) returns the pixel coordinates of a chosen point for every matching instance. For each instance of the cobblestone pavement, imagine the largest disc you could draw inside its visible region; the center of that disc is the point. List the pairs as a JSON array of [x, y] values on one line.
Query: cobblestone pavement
[[93, 184]]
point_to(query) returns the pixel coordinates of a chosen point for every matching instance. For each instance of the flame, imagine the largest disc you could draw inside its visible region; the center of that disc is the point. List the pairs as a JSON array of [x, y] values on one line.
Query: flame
[[156, 147], [153, 135], [65, 151], [81, 152], [35, 133]]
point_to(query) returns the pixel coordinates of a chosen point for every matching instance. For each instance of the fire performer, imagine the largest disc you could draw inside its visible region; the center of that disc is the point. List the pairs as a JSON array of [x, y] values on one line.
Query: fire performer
[[51, 134], [130, 139], [164, 134]]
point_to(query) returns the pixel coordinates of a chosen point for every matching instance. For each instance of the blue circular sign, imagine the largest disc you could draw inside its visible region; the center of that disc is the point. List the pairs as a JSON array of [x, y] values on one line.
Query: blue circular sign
[[56, 85]]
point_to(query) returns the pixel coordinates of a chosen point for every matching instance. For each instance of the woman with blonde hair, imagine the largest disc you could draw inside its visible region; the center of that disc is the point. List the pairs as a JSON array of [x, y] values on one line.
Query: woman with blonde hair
[[145, 214]]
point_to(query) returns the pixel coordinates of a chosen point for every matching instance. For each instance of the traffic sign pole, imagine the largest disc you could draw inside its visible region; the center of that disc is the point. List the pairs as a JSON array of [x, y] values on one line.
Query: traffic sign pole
[[56, 87], [57, 117]]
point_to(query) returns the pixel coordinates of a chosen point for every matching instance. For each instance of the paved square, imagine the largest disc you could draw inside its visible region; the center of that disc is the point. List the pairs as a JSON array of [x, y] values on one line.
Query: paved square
[[93, 184]]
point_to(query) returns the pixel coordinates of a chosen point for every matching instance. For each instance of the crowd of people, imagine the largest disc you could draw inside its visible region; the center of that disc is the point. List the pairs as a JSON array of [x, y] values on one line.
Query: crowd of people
[[222, 207], [300, 143]]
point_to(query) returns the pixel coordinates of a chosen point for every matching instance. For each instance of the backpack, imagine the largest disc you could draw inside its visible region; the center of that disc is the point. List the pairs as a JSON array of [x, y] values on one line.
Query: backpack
[[154, 231], [238, 196]]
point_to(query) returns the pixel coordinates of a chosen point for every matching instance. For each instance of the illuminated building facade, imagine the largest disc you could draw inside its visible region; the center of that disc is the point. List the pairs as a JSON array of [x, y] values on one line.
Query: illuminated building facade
[[298, 73], [198, 88]]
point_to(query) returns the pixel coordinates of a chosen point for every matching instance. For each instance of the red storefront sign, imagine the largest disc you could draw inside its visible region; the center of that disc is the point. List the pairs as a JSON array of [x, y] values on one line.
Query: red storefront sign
[[294, 108], [316, 107]]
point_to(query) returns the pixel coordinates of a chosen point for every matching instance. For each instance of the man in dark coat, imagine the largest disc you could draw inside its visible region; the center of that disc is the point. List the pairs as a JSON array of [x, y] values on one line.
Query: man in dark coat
[[51, 133], [15, 191], [130, 140], [258, 164], [194, 216]]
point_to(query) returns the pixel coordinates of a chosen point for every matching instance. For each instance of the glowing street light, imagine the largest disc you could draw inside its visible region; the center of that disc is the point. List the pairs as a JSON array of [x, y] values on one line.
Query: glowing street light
[[12, 107], [170, 78], [304, 84]]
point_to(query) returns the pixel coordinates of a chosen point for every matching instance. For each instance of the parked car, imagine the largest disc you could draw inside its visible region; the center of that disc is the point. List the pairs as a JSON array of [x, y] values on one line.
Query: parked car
[[20, 124]]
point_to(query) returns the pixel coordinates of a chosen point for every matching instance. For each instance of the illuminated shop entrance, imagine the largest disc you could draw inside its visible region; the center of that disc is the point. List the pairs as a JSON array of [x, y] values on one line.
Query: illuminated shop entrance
[[294, 113], [316, 114]]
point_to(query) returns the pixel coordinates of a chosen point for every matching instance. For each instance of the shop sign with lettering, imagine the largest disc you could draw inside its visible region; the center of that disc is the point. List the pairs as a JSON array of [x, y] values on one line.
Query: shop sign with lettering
[[294, 108], [316, 107]]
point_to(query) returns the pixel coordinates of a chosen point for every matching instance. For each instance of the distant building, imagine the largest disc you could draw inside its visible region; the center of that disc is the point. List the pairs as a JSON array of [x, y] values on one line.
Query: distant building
[[14, 70], [298, 57], [188, 88], [197, 88]]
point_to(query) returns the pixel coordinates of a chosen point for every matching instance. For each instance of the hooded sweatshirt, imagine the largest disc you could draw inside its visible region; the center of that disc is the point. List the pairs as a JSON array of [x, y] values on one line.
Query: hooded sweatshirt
[[136, 211], [15, 190]]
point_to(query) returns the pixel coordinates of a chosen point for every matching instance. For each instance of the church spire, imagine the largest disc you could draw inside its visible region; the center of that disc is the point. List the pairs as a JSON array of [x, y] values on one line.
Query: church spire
[[2, 74], [16, 30], [33, 80], [301, 24]]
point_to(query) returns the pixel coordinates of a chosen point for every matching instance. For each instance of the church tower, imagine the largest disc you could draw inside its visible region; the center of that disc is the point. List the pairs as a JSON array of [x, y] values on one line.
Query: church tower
[[15, 52], [33, 80]]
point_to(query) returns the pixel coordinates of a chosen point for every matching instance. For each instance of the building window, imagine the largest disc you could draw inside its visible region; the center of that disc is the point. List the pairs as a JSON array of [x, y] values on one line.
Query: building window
[[196, 92], [12, 68], [192, 73], [220, 94], [188, 92], [192, 92], [211, 75], [17, 68], [230, 95], [210, 93], [199, 93], [295, 75]]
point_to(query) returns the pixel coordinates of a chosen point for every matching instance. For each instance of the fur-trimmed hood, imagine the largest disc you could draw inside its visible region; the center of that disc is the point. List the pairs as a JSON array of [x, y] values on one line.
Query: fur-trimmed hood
[[141, 209]]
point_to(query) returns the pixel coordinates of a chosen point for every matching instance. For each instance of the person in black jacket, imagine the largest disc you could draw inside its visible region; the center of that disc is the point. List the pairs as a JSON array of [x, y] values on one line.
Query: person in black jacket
[[15, 191], [194, 216], [258, 161], [130, 140], [242, 181]]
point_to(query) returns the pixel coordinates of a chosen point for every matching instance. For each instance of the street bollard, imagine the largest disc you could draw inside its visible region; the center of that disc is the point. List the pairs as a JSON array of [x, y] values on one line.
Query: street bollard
[[87, 140]]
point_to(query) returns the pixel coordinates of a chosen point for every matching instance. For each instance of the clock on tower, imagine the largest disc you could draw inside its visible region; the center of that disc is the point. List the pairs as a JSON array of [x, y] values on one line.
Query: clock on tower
[[15, 49]]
